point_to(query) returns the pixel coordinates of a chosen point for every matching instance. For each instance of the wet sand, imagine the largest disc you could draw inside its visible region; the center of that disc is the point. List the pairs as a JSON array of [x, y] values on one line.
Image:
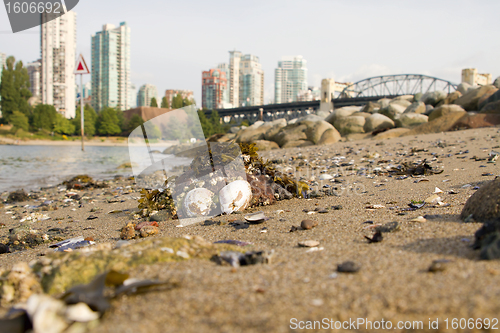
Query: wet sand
[[393, 283]]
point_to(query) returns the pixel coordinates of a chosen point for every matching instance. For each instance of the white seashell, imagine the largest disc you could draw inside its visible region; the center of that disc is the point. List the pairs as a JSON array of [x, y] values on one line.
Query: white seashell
[[325, 176], [235, 196], [81, 312], [419, 219], [257, 217], [437, 190], [198, 202]]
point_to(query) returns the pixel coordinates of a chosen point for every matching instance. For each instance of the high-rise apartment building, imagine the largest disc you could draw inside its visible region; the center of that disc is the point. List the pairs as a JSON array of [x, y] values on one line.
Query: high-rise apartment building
[[213, 88], [145, 94], [34, 68], [245, 79], [290, 79], [3, 59], [251, 81], [132, 96], [58, 53], [111, 67], [171, 93]]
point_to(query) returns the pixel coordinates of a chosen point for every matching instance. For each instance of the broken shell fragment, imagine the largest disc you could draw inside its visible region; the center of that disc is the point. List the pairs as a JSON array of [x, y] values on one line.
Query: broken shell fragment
[[235, 196], [257, 217], [419, 219], [198, 202]]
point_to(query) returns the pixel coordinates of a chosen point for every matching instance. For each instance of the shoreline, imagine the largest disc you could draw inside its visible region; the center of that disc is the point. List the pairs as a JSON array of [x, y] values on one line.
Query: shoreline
[[105, 143]]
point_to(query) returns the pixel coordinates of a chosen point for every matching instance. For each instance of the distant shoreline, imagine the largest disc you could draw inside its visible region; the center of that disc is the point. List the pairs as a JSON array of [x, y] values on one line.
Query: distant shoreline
[[105, 143]]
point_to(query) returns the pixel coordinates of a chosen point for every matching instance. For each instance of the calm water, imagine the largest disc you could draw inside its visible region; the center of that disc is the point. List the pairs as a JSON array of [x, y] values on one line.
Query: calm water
[[32, 167]]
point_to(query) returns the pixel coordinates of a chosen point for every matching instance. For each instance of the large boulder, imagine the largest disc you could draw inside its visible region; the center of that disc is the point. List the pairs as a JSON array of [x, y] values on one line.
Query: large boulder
[[384, 102], [352, 124], [496, 83], [477, 120], [451, 98], [392, 133], [415, 107], [266, 145], [252, 133], [484, 204], [276, 125], [315, 130], [441, 124], [290, 133], [361, 114], [329, 136], [341, 112], [463, 88], [491, 95], [410, 120], [297, 143], [428, 109], [469, 101], [403, 102], [433, 97], [494, 97], [444, 109], [377, 122], [370, 107], [409, 98], [310, 117], [322, 114], [393, 111], [493, 107]]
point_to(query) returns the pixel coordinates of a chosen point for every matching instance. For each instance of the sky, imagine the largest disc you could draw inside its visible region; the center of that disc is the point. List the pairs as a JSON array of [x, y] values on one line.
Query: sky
[[172, 42]]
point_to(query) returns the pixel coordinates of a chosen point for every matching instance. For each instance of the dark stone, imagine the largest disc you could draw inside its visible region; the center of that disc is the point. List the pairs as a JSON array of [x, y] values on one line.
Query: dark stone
[[4, 249], [376, 238], [17, 196], [308, 224], [388, 227], [484, 205], [348, 267]]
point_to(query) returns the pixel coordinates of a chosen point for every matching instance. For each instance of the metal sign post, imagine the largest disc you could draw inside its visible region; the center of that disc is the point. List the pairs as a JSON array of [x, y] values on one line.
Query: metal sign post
[[81, 68]]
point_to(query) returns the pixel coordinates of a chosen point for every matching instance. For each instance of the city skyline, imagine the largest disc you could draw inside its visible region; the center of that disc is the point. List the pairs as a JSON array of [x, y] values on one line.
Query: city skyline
[[345, 41]]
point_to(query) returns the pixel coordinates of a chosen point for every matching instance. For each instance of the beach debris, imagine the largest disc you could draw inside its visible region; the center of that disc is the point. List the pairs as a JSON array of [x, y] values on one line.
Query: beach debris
[[4, 248], [437, 190], [315, 249], [376, 238], [309, 243], [388, 227], [416, 204], [308, 224], [493, 156], [83, 181], [377, 206], [146, 223], [35, 217], [128, 231], [198, 202], [256, 218], [237, 259], [18, 284], [438, 265], [337, 207], [17, 196], [92, 217], [420, 219], [149, 230], [417, 169], [239, 225], [452, 192], [235, 196], [71, 244], [433, 199], [233, 242], [24, 236], [348, 267]]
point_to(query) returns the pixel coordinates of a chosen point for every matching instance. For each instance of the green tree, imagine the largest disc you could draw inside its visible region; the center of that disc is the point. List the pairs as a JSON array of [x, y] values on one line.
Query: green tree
[[134, 122], [206, 125], [121, 119], [14, 88], [186, 102], [63, 125], [107, 122], [177, 102], [44, 117], [89, 118], [215, 121], [154, 103], [164, 103], [19, 120], [152, 131]]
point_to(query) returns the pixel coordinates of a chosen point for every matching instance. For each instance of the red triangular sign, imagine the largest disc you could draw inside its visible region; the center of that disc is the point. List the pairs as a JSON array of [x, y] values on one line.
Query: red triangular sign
[[81, 66]]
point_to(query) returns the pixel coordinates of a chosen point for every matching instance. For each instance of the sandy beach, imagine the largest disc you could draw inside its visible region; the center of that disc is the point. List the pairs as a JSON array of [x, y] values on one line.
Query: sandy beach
[[301, 289]]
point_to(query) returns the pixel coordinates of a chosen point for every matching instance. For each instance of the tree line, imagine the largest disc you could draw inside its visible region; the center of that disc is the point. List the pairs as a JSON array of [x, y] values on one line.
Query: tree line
[[15, 92]]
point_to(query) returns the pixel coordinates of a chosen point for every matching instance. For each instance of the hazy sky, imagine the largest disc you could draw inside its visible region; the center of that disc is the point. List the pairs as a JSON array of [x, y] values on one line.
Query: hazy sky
[[172, 42]]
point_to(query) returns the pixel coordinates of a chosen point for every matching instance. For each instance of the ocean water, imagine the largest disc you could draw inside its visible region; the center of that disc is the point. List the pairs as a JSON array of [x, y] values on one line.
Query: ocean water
[[32, 167]]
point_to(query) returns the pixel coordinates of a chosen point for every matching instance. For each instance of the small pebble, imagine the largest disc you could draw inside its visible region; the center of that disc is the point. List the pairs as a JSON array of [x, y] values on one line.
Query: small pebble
[[308, 224], [347, 267], [418, 219], [438, 265], [149, 230], [128, 231], [309, 243]]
